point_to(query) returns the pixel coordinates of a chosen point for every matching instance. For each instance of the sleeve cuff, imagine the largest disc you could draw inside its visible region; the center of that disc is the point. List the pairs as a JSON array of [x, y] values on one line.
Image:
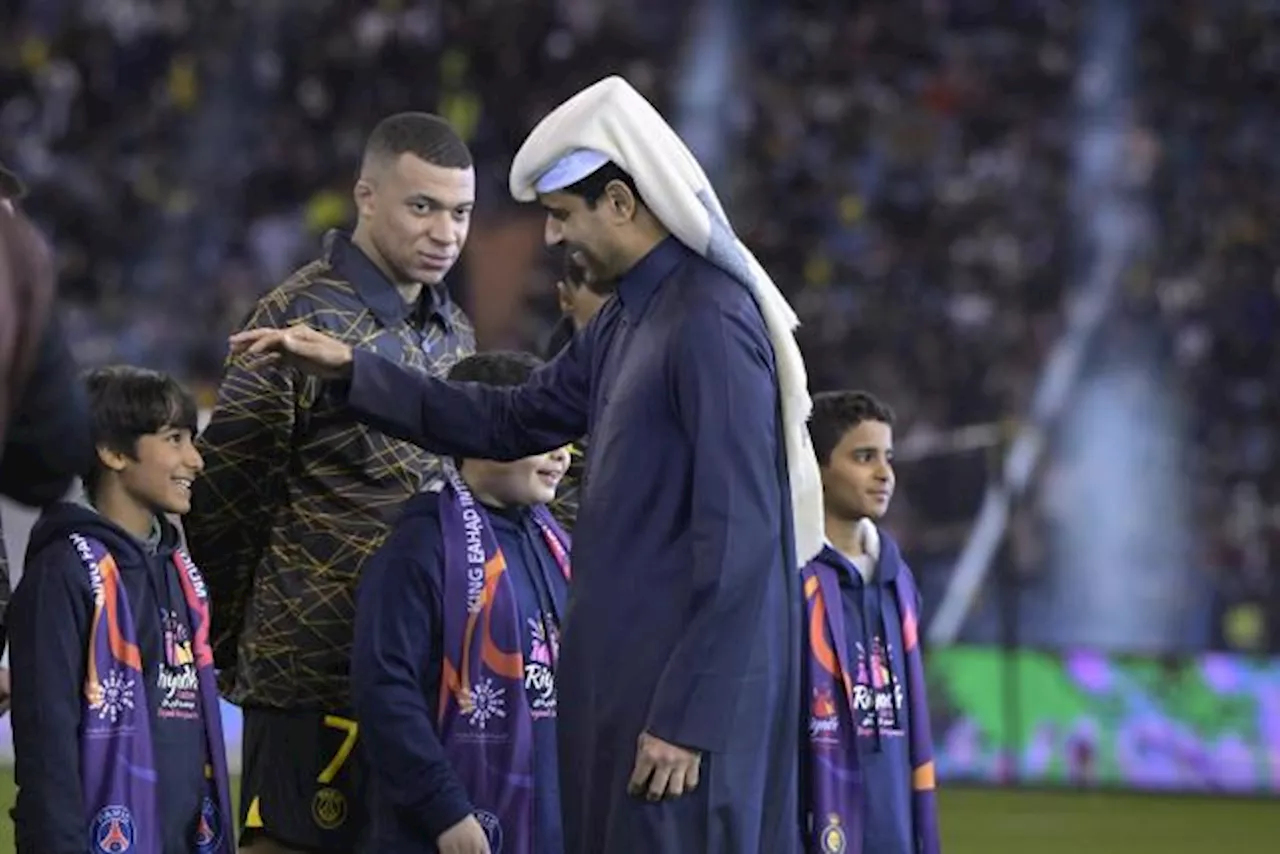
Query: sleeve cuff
[[695, 715], [363, 373]]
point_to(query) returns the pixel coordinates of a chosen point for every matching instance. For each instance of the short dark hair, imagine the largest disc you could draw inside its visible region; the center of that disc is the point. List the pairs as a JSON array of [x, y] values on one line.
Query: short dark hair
[[837, 412], [127, 403], [592, 187], [427, 137], [496, 367], [575, 275]]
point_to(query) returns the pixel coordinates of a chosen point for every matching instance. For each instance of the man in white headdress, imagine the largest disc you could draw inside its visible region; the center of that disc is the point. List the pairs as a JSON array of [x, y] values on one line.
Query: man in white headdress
[[678, 684]]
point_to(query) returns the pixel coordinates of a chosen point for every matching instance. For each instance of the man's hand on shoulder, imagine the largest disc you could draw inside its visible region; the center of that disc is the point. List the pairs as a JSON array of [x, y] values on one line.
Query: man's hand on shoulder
[[298, 346]]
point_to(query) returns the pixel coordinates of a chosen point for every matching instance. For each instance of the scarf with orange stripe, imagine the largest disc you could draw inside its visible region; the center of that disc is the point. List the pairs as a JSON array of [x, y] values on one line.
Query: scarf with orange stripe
[[485, 720], [117, 759], [835, 779]]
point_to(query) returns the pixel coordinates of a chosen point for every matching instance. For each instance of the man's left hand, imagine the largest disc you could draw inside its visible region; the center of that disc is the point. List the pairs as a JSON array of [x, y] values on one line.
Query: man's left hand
[[297, 346], [4, 690], [663, 770]]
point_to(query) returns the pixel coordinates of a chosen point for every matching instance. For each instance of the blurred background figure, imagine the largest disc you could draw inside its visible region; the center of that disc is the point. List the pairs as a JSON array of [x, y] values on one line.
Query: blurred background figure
[[44, 417], [1041, 230], [580, 297]]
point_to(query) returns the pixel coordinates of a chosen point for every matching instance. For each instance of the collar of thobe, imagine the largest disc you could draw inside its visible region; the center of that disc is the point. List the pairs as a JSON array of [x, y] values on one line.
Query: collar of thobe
[[637, 286]]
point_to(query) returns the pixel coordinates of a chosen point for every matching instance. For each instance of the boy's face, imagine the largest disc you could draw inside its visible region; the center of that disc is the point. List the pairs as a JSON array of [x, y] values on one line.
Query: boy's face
[[160, 473], [532, 480], [857, 481]]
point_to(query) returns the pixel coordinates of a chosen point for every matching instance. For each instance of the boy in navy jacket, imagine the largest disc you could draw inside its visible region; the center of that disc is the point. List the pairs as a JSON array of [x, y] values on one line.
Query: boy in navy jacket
[[116, 726], [869, 763], [453, 671]]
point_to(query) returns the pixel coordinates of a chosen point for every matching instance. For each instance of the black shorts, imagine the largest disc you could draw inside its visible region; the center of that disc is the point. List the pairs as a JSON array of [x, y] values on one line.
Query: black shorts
[[303, 783]]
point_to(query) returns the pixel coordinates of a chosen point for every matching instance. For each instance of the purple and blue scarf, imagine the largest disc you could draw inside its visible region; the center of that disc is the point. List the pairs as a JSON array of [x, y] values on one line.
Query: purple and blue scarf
[[484, 717], [120, 784], [835, 779]]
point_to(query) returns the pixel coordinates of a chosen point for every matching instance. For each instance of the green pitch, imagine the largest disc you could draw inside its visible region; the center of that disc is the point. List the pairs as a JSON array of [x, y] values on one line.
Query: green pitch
[[978, 821]]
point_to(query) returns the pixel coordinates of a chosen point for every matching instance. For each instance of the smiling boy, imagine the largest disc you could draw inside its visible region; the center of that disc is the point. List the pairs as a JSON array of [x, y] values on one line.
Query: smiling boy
[[456, 644], [870, 756], [115, 715]]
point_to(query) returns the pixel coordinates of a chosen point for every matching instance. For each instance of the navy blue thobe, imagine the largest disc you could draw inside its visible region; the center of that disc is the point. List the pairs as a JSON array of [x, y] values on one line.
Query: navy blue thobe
[[684, 614]]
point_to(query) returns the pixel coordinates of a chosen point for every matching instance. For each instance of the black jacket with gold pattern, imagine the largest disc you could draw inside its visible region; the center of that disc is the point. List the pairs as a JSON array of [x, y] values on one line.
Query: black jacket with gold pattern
[[296, 495]]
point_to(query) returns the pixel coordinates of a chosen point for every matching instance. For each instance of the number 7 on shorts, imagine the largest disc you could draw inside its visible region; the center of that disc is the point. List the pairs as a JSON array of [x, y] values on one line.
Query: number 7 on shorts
[[351, 732]]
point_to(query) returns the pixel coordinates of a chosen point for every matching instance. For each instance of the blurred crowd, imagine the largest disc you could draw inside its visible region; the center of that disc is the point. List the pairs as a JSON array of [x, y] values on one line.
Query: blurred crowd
[[185, 156], [1211, 78], [905, 174], [902, 167]]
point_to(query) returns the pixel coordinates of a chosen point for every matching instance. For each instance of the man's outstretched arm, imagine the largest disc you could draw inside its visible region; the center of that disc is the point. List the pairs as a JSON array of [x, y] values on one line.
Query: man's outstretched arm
[[445, 418]]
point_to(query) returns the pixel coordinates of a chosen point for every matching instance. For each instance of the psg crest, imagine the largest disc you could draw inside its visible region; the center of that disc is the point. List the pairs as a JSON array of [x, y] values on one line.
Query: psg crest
[[209, 830], [113, 830], [492, 829]]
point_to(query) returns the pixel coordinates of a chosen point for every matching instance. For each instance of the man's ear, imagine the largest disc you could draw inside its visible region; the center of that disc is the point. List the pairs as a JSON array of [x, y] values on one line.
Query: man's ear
[[622, 203], [363, 195]]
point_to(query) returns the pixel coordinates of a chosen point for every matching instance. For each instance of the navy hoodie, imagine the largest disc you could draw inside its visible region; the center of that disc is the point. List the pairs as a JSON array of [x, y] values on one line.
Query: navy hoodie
[[49, 621], [872, 624], [396, 672]]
